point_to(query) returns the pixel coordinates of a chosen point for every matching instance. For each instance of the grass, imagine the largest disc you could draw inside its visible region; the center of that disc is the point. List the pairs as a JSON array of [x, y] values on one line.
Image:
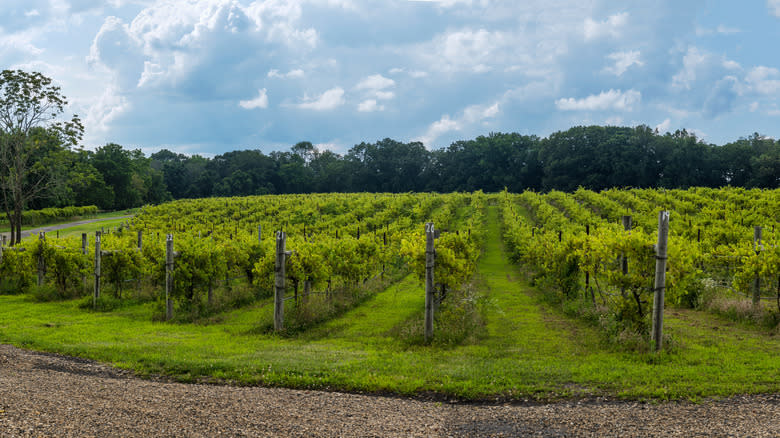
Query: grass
[[5, 227], [528, 349]]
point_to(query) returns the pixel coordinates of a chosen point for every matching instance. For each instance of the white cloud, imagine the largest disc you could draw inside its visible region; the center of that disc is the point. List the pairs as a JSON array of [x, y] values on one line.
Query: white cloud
[[477, 113], [664, 126], [611, 27], [774, 7], [623, 60], [370, 105], [468, 50], [606, 100], [471, 114], [261, 101], [694, 61], [375, 83], [764, 80], [443, 125], [413, 73], [384, 95], [292, 74], [374, 87], [106, 109], [328, 100]]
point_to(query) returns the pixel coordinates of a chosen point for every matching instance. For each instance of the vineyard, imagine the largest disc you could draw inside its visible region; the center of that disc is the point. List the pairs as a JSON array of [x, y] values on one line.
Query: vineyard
[[337, 243], [350, 273], [599, 246]]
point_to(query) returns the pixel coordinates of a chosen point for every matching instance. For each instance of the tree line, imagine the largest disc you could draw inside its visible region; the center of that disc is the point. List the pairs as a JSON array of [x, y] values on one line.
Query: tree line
[[41, 164], [593, 157]]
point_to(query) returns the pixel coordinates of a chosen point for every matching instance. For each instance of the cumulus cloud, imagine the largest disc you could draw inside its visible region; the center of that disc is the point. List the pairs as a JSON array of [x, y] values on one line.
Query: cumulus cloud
[[664, 126], [374, 88], [370, 105], [471, 115], [606, 100], [292, 74], [261, 101], [764, 80], [468, 50], [413, 73], [612, 27], [105, 110], [623, 61], [375, 83], [328, 100]]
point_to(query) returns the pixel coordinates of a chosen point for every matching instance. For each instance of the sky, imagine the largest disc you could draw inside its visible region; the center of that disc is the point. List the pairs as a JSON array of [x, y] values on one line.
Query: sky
[[211, 76]]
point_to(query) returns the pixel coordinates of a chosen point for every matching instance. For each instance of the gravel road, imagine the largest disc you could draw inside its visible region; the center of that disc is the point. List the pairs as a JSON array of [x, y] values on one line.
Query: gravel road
[[50, 395]]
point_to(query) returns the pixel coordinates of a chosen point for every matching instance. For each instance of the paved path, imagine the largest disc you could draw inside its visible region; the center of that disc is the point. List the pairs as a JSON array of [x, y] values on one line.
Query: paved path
[[55, 227]]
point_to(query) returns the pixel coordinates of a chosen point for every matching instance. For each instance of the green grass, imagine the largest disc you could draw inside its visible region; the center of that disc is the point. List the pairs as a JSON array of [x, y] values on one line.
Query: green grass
[[528, 349], [5, 227], [106, 224]]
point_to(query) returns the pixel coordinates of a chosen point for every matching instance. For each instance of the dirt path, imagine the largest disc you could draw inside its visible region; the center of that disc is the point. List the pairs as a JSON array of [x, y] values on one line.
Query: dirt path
[[49, 395], [55, 227]]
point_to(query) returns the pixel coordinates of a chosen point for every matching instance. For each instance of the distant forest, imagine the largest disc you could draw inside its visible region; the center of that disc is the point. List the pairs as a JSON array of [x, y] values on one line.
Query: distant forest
[[594, 157]]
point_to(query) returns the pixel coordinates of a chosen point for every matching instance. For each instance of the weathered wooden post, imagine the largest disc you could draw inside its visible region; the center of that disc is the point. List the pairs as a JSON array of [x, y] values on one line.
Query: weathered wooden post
[[626, 220], [306, 290], [41, 259], [757, 247], [660, 280], [279, 280], [168, 276], [96, 294], [430, 257], [84, 252]]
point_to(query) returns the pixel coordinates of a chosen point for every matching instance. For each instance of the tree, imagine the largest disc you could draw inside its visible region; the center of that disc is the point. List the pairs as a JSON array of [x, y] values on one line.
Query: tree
[[30, 108]]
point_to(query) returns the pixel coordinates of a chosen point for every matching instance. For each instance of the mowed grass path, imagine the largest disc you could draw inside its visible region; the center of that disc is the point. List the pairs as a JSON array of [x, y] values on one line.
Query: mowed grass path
[[528, 350]]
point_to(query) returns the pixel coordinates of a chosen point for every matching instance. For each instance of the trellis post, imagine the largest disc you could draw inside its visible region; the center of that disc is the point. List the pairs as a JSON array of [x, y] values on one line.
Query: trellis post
[[279, 280], [168, 276], [41, 259], [430, 258], [96, 293], [757, 281], [660, 280]]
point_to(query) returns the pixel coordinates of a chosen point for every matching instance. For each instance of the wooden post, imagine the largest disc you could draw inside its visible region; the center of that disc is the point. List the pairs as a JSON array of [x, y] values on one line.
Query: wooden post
[[757, 281], [168, 276], [660, 280], [84, 251], [430, 257], [96, 293], [306, 290], [279, 281], [41, 259], [140, 240], [260, 234], [626, 220]]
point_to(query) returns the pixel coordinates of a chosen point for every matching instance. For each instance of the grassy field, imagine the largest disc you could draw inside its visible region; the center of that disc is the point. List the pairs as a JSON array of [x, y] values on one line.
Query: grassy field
[[527, 348]]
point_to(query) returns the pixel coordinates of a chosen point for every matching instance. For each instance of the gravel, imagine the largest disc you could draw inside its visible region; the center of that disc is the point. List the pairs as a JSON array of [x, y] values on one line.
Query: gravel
[[50, 395]]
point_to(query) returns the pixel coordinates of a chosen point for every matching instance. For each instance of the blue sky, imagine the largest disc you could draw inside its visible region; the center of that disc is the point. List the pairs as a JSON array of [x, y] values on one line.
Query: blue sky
[[210, 76]]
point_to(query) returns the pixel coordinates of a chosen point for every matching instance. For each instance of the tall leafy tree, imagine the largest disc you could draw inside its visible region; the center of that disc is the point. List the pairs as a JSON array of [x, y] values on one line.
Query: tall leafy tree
[[31, 109]]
